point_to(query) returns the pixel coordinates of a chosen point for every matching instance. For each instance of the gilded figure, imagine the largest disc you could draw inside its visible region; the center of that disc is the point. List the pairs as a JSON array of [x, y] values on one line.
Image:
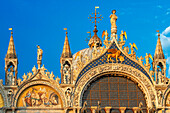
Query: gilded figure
[[113, 19]]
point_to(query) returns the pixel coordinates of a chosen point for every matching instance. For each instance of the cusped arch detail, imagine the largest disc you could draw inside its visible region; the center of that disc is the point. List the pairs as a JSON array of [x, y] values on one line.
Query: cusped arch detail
[[40, 83], [135, 75]]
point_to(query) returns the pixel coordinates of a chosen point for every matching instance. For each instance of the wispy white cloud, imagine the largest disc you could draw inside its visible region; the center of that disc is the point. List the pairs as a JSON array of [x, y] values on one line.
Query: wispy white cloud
[[159, 6], [167, 13], [166, 31], [165, 40], [168, 62]]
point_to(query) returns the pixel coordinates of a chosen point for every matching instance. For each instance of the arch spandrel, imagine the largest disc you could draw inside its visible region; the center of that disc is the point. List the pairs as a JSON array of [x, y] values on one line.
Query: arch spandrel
[[129, 71], [1, 101], [3, 98], [43, 89], [103, 59]]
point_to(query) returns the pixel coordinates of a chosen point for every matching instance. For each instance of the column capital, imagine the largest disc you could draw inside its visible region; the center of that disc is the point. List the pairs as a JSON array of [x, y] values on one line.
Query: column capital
[[93, 109], [122, 109], [135, 109], [107, 109]]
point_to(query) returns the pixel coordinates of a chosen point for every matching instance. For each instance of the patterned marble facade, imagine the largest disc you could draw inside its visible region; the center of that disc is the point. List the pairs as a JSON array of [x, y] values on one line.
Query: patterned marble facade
[[106, 77]]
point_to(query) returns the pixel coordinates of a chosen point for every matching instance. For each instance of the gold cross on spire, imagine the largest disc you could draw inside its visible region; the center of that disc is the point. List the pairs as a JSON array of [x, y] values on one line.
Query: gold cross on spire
[[95, 17]]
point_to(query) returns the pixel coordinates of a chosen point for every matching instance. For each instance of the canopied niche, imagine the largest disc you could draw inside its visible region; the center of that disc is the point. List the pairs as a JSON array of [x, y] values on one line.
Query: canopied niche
[[39, 96]]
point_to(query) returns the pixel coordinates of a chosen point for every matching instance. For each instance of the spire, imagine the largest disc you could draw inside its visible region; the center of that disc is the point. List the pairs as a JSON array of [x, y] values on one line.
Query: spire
[[158, 51], [11, 53], [66, 49]]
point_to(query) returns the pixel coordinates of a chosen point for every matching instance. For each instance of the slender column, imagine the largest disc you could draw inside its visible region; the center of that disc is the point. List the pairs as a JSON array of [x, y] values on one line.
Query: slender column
[[122, 109], [93, 109], [78, 109], [135, 109], [107, 109]]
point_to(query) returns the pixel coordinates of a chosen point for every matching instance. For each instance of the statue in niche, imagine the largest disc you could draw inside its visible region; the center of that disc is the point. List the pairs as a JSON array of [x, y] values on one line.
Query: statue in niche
[[67, 74], [113, 19], [10, 77], [10, 97], [68, 96], [159, 93], [159, 76], [84, 109]]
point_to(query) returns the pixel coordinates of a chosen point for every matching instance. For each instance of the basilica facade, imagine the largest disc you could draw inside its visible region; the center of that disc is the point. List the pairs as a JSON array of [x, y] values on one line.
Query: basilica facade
[[107, 77]]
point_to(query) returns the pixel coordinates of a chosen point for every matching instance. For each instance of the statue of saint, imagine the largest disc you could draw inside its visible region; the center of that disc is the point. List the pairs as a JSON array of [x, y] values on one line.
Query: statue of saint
[[39, 53], [68, 96], [67, 72], [10, 76], [159, 93], [159, 76], [113, 19]]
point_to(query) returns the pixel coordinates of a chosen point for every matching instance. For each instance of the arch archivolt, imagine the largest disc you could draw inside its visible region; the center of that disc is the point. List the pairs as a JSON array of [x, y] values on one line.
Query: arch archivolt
[[137, 76], [40, 82], [165, 97]]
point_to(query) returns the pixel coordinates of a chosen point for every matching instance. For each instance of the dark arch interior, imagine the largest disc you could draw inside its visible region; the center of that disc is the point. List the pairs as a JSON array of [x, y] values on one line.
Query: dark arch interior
[[115, 91]]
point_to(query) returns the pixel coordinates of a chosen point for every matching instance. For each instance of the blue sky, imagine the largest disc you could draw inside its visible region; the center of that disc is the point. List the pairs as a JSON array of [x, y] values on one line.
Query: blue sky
[[41, 22]]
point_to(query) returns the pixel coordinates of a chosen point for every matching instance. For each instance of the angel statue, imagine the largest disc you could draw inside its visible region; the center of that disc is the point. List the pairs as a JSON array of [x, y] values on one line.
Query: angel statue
[[122, 35], [147, 59], [132, 48], [106, 41], [113, 19]]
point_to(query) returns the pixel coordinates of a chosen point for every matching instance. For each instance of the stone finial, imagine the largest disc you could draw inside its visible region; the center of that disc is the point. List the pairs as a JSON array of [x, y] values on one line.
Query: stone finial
[[57, 79], [24, 77], [34, 70], [51, 75], [19, 82]]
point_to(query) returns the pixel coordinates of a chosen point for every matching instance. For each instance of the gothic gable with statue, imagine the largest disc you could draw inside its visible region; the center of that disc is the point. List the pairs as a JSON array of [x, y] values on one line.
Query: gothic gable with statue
[[107, 77]]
